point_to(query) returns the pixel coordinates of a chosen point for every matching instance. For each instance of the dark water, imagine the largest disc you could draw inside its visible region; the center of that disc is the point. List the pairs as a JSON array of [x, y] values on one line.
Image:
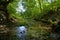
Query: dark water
[[19, 33], [15, 33], [55, 36]]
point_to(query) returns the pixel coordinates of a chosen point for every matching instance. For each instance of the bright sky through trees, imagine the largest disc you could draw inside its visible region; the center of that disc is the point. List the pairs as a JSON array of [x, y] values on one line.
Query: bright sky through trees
[[20, 7]]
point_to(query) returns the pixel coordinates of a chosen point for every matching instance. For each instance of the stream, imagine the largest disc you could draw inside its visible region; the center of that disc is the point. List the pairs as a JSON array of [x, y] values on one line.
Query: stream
[[20, 33]]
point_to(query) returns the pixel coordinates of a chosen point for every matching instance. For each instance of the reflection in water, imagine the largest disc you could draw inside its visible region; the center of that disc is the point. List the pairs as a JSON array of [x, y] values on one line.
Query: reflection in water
[[21, 32]]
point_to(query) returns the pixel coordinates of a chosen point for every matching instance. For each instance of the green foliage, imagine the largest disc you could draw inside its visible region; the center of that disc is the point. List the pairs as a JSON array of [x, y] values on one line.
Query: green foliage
[[12, 7], [34, 10]]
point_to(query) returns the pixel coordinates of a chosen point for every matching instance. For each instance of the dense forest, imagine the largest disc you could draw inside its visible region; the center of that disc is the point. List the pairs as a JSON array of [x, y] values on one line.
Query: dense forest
[[40, 17]]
